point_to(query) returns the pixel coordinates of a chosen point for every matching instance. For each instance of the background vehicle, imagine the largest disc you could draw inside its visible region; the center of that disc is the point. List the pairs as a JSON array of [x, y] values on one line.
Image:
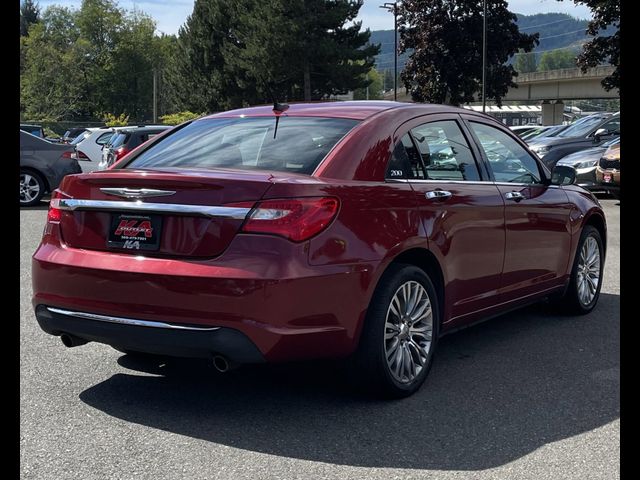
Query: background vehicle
[[608, 171], [126, 140], [357, 229], [73, 133], [592, 131], [585, 162], [89, 145], [521, 130], [42, 166], [36, 130], [548, 131]]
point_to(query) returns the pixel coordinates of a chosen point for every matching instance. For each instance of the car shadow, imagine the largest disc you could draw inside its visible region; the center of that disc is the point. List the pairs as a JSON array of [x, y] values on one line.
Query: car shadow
[[497, 391], [41, 205]]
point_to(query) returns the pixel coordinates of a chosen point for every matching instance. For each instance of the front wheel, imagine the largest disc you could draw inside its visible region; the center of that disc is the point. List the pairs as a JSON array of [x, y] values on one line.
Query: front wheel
[[586, 276], [400, 333]]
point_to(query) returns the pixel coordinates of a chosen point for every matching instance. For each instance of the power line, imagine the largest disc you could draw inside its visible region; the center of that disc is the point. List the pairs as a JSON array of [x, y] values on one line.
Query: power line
[[549, 23], [543, 51], [562, 34]]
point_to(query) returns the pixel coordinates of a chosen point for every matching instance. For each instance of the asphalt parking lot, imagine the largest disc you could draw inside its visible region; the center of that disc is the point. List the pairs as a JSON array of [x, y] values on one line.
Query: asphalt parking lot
[[529, 395]]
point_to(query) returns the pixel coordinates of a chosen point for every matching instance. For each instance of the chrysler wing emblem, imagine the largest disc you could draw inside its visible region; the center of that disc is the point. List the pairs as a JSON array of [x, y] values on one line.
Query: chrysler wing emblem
[[137, 192]]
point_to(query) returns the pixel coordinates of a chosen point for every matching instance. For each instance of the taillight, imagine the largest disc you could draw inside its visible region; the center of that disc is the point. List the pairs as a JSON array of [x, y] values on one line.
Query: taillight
[[55, 214], [297, 219], [120, 152], [81, 156]]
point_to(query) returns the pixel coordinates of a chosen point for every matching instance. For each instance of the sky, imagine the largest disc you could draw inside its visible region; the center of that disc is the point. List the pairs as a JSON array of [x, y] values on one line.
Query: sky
[[170, 14]]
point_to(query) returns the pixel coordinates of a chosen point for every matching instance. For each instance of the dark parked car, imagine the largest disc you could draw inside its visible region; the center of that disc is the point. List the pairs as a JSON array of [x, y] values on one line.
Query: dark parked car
[[42, 166], [73, 133], [35, 130], [585, 162], [326, 232], [126, 140], [548, 131], [592, 132]]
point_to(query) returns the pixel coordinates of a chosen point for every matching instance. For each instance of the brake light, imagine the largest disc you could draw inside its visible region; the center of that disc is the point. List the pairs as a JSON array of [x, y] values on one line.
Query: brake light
[[54, 215], [297, 219], [81, 156], [68, 154], [120, 152]]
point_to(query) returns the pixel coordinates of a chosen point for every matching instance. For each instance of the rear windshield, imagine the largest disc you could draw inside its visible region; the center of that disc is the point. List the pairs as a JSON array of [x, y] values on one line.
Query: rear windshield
[[248, 143], [118, 139]]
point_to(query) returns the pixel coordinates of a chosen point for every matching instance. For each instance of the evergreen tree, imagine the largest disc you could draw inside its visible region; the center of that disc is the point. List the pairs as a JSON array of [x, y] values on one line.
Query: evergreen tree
[[446, 35], [263, 50], [29, 14]]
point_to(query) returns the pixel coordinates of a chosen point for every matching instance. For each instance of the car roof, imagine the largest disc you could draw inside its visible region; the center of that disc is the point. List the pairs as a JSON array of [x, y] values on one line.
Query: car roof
[[357, 109], [146, 128]]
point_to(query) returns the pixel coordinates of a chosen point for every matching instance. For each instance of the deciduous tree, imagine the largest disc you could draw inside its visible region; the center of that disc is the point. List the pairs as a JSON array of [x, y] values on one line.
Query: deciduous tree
[[446, 36]]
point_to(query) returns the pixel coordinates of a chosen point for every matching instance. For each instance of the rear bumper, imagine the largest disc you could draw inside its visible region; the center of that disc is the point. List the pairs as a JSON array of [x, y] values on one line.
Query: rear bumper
[[288, 309], [149, 338]]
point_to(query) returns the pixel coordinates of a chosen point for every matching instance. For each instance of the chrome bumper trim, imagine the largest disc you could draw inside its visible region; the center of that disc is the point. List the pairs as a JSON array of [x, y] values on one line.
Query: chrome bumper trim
[[127, 321]]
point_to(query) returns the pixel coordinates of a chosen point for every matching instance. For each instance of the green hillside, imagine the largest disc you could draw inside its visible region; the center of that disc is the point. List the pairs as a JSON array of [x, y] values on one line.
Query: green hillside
[[557, 30]]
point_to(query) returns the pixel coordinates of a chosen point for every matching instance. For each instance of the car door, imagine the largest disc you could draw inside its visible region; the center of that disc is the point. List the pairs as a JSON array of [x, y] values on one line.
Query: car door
[[537, 215], [462, 213]]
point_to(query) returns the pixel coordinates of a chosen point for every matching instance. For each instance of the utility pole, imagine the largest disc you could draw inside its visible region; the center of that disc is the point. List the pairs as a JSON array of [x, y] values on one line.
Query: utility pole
[[484, 56], [393, 7], [367, 86], [155, 96]]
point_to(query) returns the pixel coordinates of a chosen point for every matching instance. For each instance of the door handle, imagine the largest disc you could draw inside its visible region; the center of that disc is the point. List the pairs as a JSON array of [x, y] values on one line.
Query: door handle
[[515, 196], [438, 194]]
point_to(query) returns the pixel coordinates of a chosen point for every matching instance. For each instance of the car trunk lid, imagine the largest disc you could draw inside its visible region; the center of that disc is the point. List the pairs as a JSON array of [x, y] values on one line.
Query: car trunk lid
[[173, 212]]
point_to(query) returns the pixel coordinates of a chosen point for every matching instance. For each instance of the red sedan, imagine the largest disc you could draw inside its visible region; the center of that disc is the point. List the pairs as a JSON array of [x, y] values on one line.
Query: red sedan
[[364, 230]]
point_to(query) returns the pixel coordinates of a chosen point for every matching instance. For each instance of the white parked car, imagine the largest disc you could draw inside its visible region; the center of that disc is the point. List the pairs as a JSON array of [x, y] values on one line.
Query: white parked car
[[89, 146]]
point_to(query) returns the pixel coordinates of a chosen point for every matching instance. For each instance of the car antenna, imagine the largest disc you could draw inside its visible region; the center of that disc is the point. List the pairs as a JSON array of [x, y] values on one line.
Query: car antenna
[[278, 109]]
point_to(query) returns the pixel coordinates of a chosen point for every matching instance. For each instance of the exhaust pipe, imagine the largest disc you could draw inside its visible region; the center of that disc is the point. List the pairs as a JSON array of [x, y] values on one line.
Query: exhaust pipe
[[223, 364], [71, 340]]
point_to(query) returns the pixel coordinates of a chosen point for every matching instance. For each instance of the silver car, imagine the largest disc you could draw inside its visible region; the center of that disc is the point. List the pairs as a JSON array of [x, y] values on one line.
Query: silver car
[[43, 165]]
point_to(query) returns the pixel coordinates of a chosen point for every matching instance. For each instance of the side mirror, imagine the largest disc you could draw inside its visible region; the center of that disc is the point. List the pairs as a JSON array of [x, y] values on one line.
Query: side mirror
[[599, 133], [563, 175]]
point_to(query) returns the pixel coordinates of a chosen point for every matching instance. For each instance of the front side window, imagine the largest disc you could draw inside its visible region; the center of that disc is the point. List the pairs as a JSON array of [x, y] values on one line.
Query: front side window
[[508, 160], [580, 128], [445, 152], [300, 144], [612, 126]]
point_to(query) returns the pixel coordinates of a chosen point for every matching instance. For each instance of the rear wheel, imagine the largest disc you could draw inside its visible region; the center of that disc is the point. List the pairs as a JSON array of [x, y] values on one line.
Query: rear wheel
[[400, 333], [32, 188], [586, 276]]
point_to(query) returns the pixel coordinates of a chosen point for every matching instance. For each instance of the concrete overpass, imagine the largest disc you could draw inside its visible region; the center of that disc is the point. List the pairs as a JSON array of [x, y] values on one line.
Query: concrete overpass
[[551, 88]]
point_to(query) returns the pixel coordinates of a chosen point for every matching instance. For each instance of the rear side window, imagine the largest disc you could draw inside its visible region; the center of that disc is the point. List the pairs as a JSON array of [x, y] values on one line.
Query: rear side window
[[445, 152], [248, 143], [104, 138], [405, 161]]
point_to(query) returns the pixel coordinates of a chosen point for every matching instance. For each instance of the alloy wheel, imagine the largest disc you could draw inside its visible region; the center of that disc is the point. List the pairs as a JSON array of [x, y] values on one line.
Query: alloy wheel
[[408, 331], [29, 188], [588, 271]]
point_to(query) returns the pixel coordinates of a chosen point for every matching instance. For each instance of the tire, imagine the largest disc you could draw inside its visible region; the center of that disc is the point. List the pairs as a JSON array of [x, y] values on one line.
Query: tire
[[32, 188], [577, 301], [370, 367]]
